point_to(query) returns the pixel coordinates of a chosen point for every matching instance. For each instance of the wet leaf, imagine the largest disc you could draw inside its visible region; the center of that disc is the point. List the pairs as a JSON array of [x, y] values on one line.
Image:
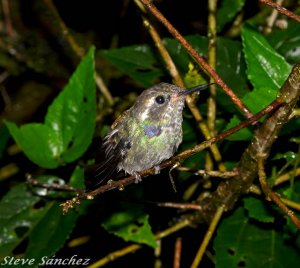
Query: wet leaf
[[265, 67], [27, 217], [240, 243], [69, 123], [288, 156]]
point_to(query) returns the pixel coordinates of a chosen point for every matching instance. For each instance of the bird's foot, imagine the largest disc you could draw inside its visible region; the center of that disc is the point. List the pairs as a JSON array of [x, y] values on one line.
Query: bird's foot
[[137, 177], [156, 170]]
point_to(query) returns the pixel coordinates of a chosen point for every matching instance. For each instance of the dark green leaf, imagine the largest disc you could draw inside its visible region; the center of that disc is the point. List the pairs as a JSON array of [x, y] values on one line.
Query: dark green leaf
[[16, 212], [50, 232], [241, 135], [131, 225], [241, 243], [288, 156], [4, 137], [69, 123], [24, 215], [227, 11], [77, 178], [258, 210], [136, 61], [287, 41], [291, 127], [232, 68], [179, 54]]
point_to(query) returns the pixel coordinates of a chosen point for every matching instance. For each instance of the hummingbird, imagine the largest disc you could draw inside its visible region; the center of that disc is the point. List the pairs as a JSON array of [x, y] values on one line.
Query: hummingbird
[[147, 133]]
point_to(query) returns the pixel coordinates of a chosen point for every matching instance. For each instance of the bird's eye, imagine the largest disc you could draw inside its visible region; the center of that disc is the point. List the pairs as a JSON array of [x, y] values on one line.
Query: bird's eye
[[160, 99]]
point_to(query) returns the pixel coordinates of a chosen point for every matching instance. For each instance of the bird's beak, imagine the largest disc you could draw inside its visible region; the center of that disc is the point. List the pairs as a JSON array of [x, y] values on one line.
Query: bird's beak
[[193, 89]]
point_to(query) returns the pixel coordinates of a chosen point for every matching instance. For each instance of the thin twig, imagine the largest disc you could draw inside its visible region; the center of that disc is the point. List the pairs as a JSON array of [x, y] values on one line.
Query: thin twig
[[212, 61], [169, 63], [272, 18], [54, 186], [211, 229], [178, 205], [177, 255], [272, 195], [197, 57], [292, 204], [79, 51], [211, 101], [281, 10], [210, 173], [3, 76], [7, 20], [8, 171], [286, 177]]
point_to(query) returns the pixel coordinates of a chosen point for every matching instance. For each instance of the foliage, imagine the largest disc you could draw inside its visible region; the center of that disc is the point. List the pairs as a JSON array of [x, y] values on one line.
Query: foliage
[[237, 235], [69, 123], [254, 234]]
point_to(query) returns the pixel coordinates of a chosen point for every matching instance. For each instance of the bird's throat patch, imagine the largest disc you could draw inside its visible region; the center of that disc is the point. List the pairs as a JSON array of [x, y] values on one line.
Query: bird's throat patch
[[152, 131]]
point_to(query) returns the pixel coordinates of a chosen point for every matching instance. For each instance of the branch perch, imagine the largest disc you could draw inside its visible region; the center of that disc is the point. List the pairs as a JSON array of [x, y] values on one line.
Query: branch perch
[[120, 184]]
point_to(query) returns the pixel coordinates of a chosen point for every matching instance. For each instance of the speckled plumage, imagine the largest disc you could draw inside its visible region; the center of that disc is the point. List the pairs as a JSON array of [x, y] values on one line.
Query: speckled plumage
[[146, 134]]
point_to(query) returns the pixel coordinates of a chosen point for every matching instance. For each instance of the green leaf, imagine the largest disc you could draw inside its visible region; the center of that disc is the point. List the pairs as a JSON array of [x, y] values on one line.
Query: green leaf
[[16, 213], [258, 210], [267, 71], [50, 232], [227, 11], [232, 68], [179, 54], [265, 67], [26, 217], [288, 156], [241, 135], [131, 225], [241, 243], [69, 123], [39, 143], [77, 178], [72, 115], [137, 61]]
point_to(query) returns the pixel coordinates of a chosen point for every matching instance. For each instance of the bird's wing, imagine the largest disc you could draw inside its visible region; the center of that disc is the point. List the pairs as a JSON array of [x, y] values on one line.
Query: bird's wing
[[115, 150]]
